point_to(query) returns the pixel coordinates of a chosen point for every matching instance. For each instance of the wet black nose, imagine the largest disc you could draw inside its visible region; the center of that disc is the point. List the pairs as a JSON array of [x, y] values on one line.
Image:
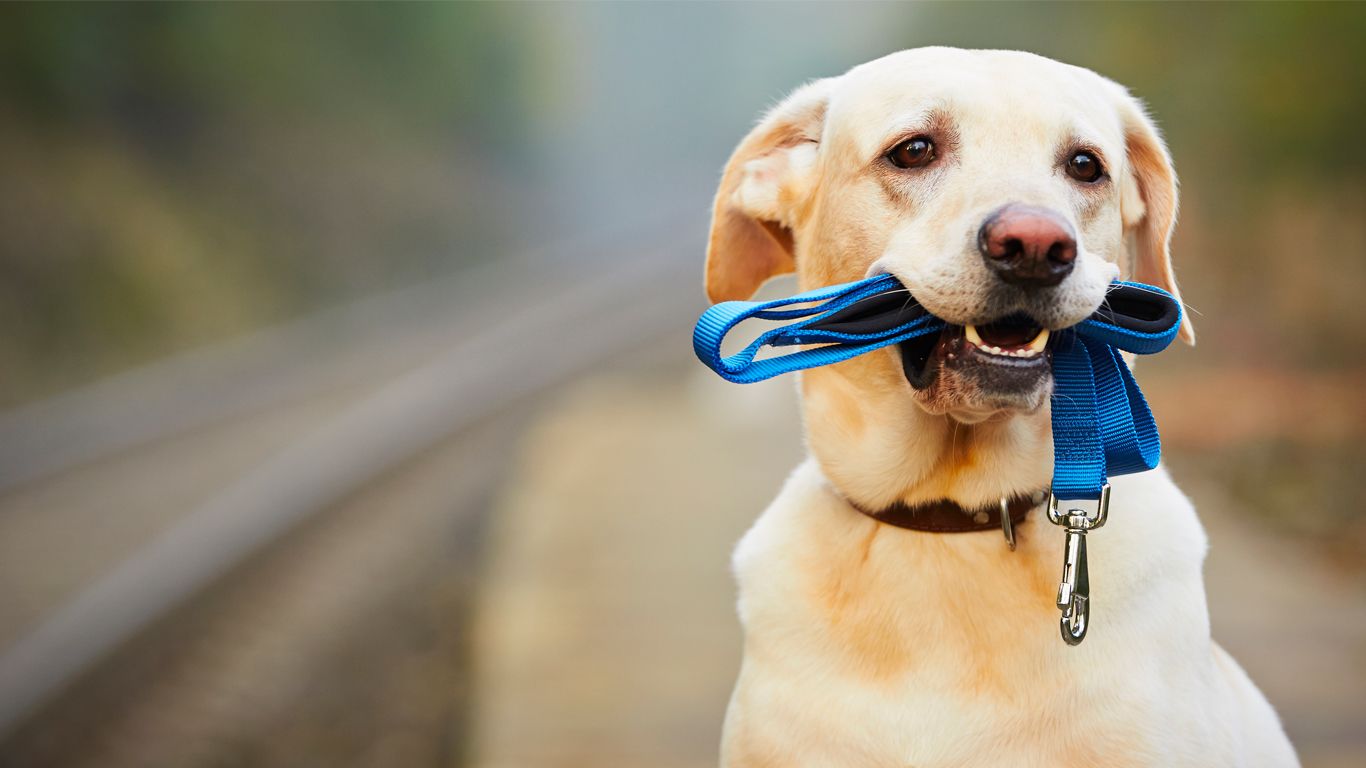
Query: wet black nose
[[1028, 246]]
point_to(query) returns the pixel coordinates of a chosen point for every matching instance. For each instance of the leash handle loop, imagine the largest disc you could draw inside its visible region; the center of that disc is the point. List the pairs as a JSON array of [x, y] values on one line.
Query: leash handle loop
[[743, 368]]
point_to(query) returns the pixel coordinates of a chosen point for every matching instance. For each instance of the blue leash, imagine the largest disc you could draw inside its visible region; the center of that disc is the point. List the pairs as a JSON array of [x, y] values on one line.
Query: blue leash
[[1102, 425], [742, 368]]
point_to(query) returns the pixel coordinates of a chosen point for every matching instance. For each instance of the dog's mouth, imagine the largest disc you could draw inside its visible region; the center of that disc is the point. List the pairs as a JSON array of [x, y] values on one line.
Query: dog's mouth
[[1005, 357]]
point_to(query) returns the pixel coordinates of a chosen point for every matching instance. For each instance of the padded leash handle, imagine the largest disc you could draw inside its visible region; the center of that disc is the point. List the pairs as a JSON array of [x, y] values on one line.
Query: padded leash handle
[[847, 320]]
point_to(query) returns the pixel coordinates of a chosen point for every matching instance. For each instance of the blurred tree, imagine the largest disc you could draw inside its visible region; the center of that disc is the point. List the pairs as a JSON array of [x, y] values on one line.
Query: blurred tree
[[175, 174]]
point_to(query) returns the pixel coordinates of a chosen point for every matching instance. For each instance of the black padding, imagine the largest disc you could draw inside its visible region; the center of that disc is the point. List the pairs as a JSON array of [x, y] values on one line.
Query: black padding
[[1130, 307], [877, 313], [1141, 310]]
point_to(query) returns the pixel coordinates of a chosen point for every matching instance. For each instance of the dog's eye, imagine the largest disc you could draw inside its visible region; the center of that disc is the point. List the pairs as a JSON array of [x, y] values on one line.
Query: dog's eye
[[1084, 166], [912, 153]]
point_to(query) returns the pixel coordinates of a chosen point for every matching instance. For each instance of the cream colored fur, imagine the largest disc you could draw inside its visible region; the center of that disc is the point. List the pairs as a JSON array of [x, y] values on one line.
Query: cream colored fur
[[868, 645]]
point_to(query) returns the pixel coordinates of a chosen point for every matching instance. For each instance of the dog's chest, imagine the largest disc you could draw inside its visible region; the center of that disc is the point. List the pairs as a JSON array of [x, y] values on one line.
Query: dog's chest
[[944, 650]]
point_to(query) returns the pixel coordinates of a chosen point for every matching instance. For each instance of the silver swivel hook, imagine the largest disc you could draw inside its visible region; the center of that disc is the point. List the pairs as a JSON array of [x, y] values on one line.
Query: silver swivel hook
[[1074, 593]]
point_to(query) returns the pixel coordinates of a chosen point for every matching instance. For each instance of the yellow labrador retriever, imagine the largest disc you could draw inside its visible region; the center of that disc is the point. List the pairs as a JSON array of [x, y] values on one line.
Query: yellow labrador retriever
[[990, 183]]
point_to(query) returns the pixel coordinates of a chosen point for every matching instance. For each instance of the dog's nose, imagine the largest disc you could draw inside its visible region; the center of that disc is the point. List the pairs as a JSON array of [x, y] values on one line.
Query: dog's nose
[[1028, 246]]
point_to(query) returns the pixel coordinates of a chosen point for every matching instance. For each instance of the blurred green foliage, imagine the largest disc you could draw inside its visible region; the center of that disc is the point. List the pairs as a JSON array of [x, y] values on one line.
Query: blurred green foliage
[[174, 174], [453, 66]]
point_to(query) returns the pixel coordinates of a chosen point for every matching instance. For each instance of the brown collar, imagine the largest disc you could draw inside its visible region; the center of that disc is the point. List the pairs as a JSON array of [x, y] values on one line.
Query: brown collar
[[945, 516]]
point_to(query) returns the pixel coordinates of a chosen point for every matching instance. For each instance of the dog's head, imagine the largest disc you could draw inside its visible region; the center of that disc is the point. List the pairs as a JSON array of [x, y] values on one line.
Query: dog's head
[[1005, 190]]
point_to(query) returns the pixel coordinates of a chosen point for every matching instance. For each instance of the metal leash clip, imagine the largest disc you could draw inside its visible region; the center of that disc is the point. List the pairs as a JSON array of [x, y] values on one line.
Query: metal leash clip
[[1007, 527], [1074, 593]]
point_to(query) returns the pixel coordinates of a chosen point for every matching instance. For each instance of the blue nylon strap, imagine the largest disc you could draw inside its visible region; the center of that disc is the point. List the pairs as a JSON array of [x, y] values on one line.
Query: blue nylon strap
[[742, 368], [1079, 469], [1102, 426]]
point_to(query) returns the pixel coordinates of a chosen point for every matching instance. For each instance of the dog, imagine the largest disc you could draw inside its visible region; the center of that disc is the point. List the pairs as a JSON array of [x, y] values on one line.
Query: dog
[[992, 184]]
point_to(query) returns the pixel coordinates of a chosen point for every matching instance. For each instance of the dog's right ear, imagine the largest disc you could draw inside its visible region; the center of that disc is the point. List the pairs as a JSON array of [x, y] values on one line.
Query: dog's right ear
[[762, 190], [1148, 202]]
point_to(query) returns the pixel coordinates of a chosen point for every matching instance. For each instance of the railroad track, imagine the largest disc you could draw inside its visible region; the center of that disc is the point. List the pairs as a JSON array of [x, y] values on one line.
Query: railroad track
[[186, 540]]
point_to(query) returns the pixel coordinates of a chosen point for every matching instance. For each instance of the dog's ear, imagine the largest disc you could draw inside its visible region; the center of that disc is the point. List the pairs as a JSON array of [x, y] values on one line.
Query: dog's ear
[[762, 189], [1148, 202]]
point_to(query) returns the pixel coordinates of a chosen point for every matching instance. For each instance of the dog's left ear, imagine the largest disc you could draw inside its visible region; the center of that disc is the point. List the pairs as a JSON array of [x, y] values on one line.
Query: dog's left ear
[[764, 183], [1148, 203]]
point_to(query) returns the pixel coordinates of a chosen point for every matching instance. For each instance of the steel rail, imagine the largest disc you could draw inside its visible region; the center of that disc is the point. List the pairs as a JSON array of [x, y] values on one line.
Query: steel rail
[[329, 349], [617, 307]]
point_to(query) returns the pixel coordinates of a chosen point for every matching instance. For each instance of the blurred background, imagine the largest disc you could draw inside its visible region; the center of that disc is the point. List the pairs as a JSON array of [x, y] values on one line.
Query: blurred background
[[349, 416]]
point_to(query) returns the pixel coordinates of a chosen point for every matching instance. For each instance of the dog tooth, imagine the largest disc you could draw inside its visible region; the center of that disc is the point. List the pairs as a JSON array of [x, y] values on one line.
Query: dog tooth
[[971, 332], [1039, 341]]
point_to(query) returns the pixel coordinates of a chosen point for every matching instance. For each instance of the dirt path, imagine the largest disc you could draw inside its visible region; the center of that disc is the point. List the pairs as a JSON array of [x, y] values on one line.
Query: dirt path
[[605, 629]]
